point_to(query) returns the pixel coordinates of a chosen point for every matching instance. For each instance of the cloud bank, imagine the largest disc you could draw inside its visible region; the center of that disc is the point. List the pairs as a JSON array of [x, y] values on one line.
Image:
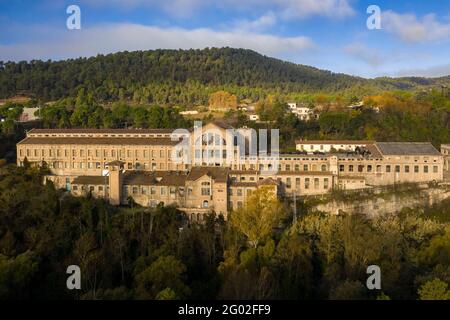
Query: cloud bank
[[120, 37], [412, 29]]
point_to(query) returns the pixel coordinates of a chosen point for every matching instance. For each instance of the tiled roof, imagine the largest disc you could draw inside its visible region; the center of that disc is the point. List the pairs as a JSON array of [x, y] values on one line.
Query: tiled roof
[[407, 148], [268, 182], [98, 141], [103, 131], [154, 178], [219, 174], [333, 142], [94, 180]]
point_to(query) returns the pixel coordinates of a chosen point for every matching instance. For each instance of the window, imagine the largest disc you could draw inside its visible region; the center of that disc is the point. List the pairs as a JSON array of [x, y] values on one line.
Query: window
[[397, 168], [288, 167], [205, 204], [100, 188], [378, 168], [91, 188], [325, 183], [341, 168], [152, 190], [306, 183], [369, 168], [288, 183], [416, 169], [350, 168], [143, 190], [388, 168], [305, 167], [297, 182], [324, 167], [206, 191], [435, 169], [360, 168], [316, 183], [297, 167], [135, 190], [425, 169], [407, 169], [239, 204], [239, 192]]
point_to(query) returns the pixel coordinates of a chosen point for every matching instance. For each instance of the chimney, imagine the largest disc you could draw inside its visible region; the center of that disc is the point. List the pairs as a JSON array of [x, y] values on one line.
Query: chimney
[[115, 183]]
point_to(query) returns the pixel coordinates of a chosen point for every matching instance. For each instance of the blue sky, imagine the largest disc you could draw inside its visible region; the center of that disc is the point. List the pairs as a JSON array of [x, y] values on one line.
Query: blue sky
[[328, 34]]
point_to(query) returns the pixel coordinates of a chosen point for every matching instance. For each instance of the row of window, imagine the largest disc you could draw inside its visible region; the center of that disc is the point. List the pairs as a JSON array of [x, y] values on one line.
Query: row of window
[[103, 165], [93, 153], [152, 190], [89, 188], [388, 168], [308, 183]]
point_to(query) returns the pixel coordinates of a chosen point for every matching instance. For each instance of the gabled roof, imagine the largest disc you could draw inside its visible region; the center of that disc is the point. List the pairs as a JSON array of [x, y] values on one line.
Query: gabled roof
[[268, 182], [93, 180], [344, 142], [154, 178], [407, 148], [218, 174], [98, 141], [103, 131]]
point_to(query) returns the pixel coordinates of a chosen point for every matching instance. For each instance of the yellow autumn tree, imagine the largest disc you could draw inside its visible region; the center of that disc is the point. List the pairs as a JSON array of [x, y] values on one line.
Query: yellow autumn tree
[[260, 214], [222, 100]]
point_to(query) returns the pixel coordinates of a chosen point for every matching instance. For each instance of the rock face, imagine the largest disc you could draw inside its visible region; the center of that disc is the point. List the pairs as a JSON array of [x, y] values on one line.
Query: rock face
[[390, 203]]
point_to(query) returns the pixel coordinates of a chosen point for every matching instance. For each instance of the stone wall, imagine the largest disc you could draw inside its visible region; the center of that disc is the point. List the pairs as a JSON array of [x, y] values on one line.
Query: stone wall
[[386, 203]]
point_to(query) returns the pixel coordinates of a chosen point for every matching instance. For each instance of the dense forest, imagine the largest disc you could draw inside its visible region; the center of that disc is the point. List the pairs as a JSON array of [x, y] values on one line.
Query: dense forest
[[390, 116], [140, 253], [131, 252], [183, 77]]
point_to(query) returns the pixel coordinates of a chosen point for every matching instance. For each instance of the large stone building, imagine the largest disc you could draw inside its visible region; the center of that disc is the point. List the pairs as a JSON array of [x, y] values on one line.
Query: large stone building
[[213, 167]]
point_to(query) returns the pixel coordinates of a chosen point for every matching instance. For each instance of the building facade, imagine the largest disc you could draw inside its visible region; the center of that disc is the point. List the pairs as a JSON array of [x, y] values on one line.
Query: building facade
[[215, 167]]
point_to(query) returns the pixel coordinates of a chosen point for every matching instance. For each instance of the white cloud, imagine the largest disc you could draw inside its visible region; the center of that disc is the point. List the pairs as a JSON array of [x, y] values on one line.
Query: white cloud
[[410, 28], [285, 8], [262, 23], [368, 55], [306, 8], [119, 37], [434, 71]]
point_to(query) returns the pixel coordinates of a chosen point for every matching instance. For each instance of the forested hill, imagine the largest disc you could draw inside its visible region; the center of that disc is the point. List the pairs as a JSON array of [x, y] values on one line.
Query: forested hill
[[171, 72]]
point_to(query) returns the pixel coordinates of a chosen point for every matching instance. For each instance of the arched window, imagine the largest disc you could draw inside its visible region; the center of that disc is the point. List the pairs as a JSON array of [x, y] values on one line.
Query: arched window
[[205, 204]]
